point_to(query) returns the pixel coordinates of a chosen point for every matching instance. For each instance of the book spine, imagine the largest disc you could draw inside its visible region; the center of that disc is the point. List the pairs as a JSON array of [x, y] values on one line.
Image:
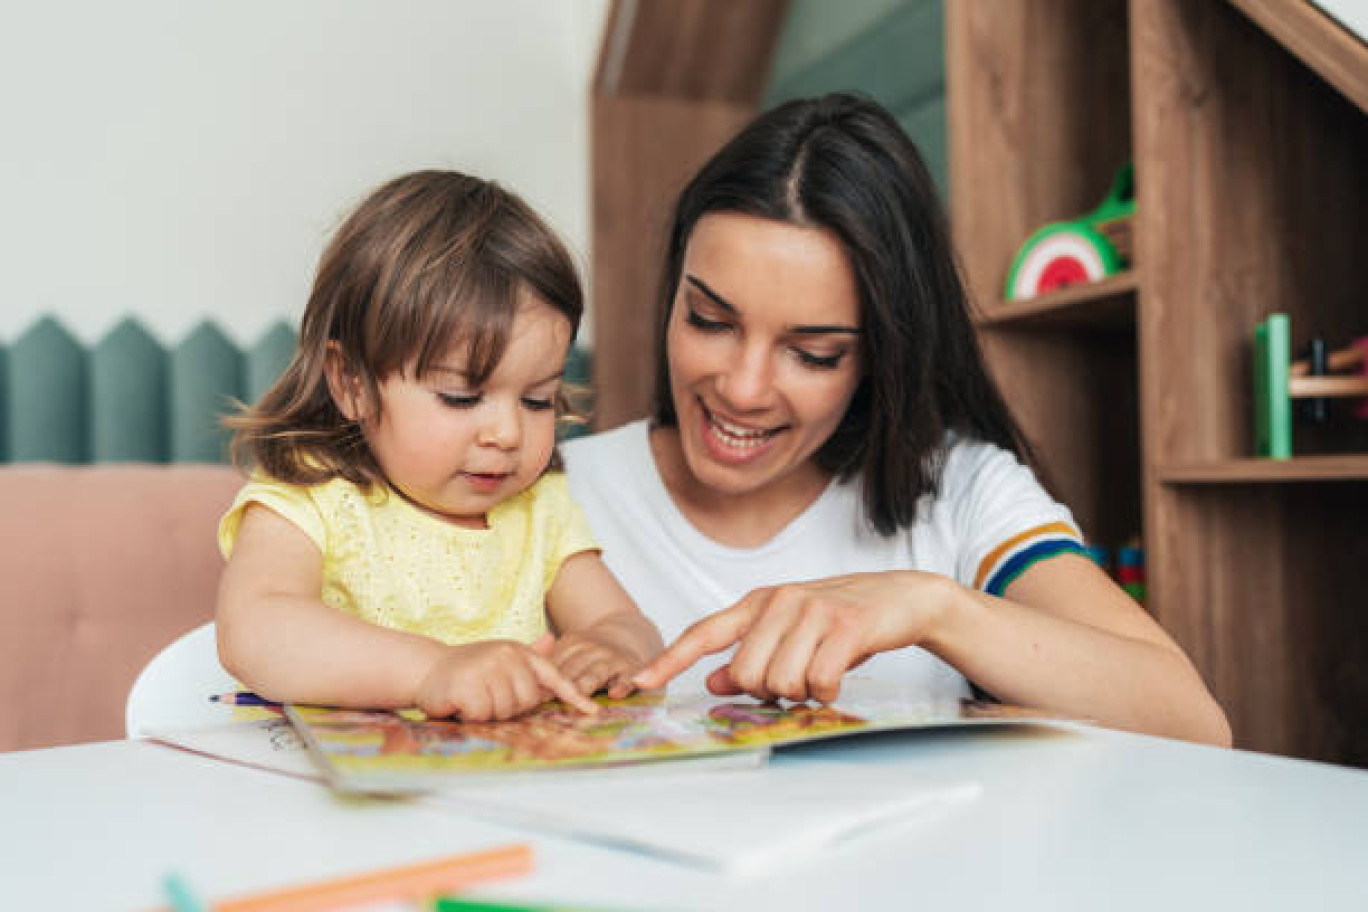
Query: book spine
[[1272, 404]]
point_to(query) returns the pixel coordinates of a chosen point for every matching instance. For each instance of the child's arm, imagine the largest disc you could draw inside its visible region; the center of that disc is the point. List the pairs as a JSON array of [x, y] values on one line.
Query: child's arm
[[603, 637], [277, 637]]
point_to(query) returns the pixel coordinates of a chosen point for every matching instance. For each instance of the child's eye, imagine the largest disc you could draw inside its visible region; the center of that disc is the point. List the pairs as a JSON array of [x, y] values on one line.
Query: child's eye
[[537, 405], [820, 362], [703, 324], [453, 400]]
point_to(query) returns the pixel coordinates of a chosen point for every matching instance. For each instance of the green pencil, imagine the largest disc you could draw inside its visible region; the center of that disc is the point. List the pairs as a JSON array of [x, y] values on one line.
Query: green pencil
[[458, 904], [182, 898]]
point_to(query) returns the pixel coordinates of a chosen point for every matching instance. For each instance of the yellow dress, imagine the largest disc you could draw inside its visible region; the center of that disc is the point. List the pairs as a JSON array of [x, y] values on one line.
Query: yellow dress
[[388, 562]]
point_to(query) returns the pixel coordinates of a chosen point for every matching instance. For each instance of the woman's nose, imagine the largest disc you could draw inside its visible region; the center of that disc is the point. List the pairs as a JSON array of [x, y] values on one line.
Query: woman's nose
[[747, 382]]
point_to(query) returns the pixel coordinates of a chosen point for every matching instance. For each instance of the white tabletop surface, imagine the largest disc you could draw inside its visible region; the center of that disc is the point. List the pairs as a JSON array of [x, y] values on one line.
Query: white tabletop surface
[[1066, 820]]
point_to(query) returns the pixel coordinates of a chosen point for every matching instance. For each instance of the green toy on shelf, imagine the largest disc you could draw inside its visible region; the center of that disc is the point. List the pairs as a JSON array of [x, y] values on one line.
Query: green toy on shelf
[[1278, 380], [1077, 251], [1272, 404]]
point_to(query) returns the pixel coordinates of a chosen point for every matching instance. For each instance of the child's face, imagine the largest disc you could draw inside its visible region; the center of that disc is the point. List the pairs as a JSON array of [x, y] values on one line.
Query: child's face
[[456, 451]]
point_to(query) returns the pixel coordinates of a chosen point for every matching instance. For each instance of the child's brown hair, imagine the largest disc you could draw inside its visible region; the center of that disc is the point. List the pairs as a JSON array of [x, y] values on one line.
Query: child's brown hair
[[428, 261]]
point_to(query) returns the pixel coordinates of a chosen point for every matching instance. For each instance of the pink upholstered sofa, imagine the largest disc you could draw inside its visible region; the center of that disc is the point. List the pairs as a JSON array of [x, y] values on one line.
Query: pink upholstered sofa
[[100, 567]]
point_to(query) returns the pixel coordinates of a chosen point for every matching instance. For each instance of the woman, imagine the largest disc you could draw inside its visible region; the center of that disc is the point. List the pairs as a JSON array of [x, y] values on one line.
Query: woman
[[831, 474]]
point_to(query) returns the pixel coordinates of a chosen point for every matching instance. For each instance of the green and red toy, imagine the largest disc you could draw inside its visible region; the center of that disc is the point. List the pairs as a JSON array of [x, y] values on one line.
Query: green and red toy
[[1077, 251]]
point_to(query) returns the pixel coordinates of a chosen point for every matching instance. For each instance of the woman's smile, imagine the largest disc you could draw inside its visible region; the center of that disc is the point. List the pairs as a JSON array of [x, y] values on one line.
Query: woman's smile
[[734, 443]]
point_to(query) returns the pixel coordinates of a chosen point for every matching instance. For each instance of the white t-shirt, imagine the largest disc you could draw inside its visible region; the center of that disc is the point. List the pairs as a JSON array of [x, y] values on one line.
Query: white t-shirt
[[991, 520]]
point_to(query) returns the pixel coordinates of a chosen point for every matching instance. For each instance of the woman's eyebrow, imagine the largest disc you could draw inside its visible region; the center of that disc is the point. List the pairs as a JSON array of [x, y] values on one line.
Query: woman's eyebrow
[[815, 330], [823, 330], [716, 298]]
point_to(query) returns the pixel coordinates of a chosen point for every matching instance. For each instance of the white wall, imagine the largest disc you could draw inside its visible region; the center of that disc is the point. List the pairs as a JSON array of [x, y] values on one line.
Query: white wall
[[1352, 14], [186, 159]]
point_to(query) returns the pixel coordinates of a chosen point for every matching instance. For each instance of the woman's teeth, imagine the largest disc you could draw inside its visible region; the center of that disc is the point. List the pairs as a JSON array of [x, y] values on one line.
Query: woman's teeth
[[738, 437]]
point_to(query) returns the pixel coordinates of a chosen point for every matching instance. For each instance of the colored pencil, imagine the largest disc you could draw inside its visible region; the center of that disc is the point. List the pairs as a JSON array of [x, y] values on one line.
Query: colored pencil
[[461, 904], [243, 698], [417, 882], [182, 898]]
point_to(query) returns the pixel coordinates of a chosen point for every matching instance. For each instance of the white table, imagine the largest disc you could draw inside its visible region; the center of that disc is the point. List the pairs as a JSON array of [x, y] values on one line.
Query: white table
[[1067, 820]]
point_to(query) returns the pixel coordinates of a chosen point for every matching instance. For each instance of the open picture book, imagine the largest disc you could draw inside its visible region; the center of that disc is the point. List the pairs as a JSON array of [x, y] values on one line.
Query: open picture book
[[683, 777], [403, 751]]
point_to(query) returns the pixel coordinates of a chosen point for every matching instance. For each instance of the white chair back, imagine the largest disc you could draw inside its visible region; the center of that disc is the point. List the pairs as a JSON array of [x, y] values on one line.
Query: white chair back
[[173, 690]]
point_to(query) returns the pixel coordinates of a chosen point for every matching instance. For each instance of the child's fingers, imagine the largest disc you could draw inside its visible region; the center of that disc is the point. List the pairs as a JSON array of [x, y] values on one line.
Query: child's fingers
[[574, 662], [471, 703], [560, 686], [621, 686], [528, 692], [504, 699], [594, 667], [595, 676], [544, 644]]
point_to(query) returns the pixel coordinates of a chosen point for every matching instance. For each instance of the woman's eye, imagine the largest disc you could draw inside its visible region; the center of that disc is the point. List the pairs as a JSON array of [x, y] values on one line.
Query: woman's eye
[[821, 362], [703, 324], [453, 400], [537, 405]]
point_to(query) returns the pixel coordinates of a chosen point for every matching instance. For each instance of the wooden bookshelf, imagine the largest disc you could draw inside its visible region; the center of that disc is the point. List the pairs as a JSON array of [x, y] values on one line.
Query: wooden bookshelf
[[1246, 123]]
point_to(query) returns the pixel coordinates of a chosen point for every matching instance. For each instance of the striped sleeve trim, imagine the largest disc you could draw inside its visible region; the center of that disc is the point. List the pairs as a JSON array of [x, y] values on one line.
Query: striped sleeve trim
[[1011, 558]]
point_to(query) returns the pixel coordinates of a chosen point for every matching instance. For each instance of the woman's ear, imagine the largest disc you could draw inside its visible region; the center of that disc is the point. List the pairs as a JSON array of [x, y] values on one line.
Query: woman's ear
[[344, 385]]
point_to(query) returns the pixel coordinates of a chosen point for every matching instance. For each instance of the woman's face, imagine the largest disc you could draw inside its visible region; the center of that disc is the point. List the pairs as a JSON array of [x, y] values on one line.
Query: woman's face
[[764, 350]]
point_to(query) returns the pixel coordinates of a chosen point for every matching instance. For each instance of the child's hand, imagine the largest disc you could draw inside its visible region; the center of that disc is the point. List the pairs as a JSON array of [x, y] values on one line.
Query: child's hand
[[593, 665], [495, 680]]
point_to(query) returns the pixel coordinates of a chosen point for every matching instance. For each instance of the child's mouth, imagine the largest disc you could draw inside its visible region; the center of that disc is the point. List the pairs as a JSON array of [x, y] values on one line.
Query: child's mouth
[[485, 481]]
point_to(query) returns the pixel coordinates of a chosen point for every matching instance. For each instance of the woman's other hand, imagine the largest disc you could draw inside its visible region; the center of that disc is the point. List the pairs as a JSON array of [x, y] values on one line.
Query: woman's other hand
[[797, 641], [495, 680]]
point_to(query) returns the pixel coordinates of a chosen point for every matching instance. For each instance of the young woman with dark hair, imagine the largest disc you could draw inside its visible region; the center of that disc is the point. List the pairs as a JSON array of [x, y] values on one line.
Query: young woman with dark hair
[[831, 475]]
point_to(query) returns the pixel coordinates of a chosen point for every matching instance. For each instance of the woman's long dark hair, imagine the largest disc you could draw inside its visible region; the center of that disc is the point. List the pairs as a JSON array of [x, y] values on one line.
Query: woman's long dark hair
[[841, 163]]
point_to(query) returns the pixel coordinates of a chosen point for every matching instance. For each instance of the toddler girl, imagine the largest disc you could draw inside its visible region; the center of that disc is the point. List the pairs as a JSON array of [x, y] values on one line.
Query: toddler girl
[[401, 542]]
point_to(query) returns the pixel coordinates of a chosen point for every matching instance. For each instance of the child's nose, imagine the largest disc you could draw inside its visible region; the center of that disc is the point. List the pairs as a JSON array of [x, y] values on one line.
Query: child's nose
[[502, 428]]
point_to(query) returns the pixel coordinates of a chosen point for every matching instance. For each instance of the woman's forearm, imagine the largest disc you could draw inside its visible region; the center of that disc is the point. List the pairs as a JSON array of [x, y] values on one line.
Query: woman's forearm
[[298, 650], [1033, 658]]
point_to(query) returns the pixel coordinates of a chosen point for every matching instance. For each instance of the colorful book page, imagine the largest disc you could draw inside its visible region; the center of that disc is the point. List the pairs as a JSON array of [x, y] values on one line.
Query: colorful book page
[[405, 751]]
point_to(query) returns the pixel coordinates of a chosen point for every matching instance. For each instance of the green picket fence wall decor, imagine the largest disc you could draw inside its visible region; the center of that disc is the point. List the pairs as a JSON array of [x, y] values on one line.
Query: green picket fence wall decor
[[130, 399], [49, 396], [128, 383], [4, 405]]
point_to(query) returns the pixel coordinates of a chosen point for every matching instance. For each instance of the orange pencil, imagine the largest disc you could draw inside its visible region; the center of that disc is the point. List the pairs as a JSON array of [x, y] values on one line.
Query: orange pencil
[[418, 881]]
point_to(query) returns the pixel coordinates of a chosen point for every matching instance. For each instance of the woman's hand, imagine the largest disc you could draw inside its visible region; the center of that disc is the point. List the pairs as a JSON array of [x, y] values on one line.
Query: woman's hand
[[797, 641], [593, 664], [494, 680]]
